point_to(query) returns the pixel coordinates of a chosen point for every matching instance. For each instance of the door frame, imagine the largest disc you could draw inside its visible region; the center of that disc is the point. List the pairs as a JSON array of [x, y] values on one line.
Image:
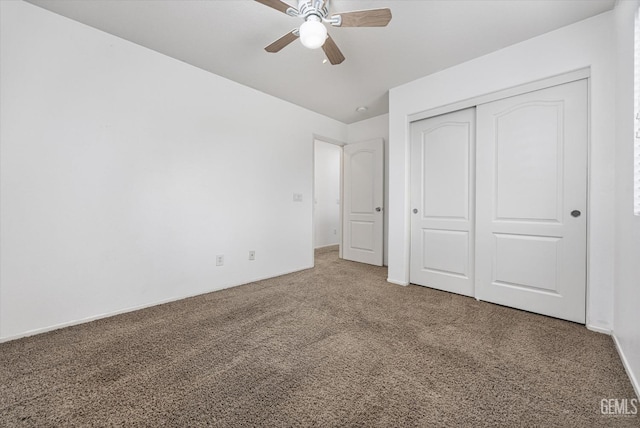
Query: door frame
[[316, 137], [571, 76]]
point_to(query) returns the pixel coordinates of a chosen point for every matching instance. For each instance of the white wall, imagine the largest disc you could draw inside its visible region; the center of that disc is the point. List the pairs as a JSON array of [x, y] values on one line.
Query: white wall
[[125, 172], [626, 325], [369, 129], [327, 194], [585, 44]]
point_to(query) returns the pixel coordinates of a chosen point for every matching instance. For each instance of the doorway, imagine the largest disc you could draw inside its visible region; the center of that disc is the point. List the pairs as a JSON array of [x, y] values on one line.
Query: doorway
[[348, 201], [327, 195]]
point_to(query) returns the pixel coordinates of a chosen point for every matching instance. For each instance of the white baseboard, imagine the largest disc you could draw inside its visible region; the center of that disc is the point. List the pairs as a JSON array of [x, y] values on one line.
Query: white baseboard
[[135, 308], [393, 281], [597, 329], [327, 246], [627, 367]]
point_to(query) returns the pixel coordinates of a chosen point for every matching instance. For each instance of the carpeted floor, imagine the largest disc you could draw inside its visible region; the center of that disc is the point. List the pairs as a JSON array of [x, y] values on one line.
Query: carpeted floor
[[333, 346]]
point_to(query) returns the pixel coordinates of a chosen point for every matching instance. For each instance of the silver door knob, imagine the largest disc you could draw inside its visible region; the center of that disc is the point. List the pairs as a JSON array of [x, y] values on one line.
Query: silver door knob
[[415, 211], [378, 209]]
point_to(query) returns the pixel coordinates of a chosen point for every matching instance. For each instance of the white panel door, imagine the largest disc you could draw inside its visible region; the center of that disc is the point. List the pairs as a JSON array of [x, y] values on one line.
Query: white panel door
[[531, 201], [363, 197], [442, 204]]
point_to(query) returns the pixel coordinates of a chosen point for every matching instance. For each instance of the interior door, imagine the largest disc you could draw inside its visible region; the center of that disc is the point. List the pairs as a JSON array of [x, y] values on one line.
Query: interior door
[[363, 197], [442, 202], [531, 201]]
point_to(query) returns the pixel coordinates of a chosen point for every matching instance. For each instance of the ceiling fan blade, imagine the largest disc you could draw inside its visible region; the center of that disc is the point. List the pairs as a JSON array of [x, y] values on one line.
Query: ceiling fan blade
[[364, 18], [277, 5], [283, 41], [331, 50]]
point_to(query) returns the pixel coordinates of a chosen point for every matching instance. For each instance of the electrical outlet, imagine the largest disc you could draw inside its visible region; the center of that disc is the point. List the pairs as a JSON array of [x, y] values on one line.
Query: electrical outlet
[[220, 260], [252, 255], [335, 231]]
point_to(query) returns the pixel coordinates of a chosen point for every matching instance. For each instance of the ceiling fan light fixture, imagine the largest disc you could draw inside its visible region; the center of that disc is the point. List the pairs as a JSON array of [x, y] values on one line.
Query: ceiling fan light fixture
[[313, 33]]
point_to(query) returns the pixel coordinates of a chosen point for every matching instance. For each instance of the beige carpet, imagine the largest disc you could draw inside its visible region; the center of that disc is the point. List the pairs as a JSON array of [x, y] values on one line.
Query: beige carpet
[[335, 346]]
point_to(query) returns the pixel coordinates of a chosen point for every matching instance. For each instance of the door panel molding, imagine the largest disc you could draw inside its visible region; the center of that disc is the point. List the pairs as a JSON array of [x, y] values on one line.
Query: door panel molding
[[530, 253], [363, 220], [442, 202]]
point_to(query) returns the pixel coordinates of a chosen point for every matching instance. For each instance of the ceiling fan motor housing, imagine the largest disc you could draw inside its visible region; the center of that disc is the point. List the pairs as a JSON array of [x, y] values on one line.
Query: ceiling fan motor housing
[[307, 8]]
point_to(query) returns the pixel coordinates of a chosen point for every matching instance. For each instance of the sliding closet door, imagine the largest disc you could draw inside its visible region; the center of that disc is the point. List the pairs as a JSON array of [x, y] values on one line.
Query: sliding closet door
[[442, 152], [531, 201]]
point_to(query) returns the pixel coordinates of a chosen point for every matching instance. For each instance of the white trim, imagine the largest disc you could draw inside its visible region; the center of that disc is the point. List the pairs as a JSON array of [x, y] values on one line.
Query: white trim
[[636, 115], [327, 246], [598, 329], [587, 300], [340, 218], [328, 140], [407, 203], [393, 281], [137, 308], [625, 363], [570, 76]]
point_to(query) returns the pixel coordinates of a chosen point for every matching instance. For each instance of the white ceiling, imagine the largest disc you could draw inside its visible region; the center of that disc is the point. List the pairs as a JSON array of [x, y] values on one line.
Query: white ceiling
[[227, 37]]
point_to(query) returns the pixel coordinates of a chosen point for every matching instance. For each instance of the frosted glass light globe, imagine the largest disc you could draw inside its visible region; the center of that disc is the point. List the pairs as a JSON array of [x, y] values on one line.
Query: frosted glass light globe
[[313, 34]]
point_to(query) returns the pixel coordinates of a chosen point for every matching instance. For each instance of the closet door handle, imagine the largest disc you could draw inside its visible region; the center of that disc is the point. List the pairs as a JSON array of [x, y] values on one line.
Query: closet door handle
[[415, 211], [575, 213]]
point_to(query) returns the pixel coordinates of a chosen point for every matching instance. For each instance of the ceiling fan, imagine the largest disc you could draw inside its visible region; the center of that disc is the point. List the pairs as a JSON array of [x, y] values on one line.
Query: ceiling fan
[[313, 33]]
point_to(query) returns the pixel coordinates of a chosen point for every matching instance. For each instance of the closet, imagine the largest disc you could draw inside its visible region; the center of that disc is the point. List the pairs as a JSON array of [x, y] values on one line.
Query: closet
[[499, 198]]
